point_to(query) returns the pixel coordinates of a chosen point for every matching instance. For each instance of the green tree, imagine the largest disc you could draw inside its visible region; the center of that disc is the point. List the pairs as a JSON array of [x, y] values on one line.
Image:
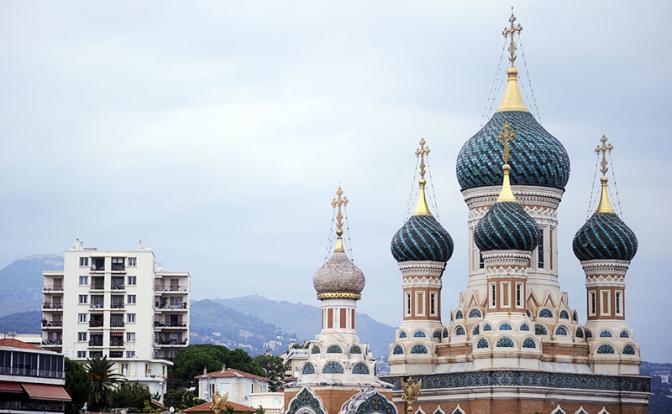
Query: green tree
[[260, 410], [273, 369], [131, 395], [192, 359], [78, 386], [181, 398], [103, 381]]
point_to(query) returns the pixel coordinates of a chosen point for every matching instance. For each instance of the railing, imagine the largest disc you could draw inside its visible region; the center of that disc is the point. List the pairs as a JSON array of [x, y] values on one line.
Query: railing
[[118, 305], [118, 267], [119, 286], [50, 305], [99, 305], [159, 324], [95, 324], [97, 286], [32, 405], [52, 323], [96, 343], [53, 288], [97, 268], [170, 288], [52, 341], [116, 324], [173, 306], [116, 343], [172, 342]]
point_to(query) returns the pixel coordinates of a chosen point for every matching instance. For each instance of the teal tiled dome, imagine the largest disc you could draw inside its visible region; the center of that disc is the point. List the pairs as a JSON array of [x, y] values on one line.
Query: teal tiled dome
[[537, 158], [605, 237], [507, 227], [422, 238]]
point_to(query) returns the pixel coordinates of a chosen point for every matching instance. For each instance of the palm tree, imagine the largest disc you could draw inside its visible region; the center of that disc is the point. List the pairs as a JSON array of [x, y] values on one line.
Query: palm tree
[[103, 381]]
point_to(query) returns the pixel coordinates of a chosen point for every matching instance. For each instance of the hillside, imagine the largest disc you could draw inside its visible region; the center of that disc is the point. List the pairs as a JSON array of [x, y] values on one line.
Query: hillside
[[21, 282]]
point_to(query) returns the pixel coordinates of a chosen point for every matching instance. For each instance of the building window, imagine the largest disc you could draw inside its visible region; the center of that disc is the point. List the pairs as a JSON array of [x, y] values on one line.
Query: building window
[[605, 349], [83, 280], [605, 302], [437, 334], [593, 304], [481, 262], [432, 304], [332, 367], [579, 332], [130, 299], [561, 331], [355, 349], [487, 327], [315, 349], [130, 317], [482, 343], [545, 313], [130, 354], [81, 354], [81, 336], [360, 368], [82, 317], [459, 331], [83, 299], [408, 303], [505, 327], [624, 334], [504, 343], [564, 314], [334, 349], [529, 343], [476, 330], [475, 313], [419, 349], [540, 251], [605, 334], [420, 303], [132, 280], [519, 295], [83, 262], [402, 334], [619, 303], [132, 261], [419, 334], [493, 295], [398, 350], [130, 336], [458, 314], [524, 327], [308, 369], [540, 329], [628, 350]]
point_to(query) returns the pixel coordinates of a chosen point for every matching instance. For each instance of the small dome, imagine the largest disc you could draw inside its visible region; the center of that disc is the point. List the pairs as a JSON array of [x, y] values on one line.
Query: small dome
[[537, 157], [422, 238], [507, 227], [338, 275], [605, 237]]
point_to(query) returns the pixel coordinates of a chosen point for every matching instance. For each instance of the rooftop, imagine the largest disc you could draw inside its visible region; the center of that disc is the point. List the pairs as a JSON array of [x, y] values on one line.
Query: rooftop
[[207, 407], [231, 373]]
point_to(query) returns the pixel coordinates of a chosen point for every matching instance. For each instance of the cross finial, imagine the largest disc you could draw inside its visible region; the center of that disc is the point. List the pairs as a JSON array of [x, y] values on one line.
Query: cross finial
[[511, 31], [504, 137], [339, 202], [604, 148], [421, 153]]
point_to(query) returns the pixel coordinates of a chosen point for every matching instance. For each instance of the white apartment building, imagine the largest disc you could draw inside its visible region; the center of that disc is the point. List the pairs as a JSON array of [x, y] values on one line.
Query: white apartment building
[[121, 304]]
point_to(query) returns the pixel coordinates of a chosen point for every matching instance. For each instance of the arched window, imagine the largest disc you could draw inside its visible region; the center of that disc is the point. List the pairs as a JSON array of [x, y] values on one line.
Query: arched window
[[561, 331], [403, 334], [581, 411], [419, 334], [529, 343], [605, 349], [504, 326], [487, 327], [355, 349], [315, 349], [419, 349], [476, 330], [459, 330], [334, 349], [308, 369], [504, 343], [624, 334], [564, 314], [482, 343], [437, 334], [360, 368], [558, 410], [398, 350], [628, 350], [524, 327], [438, 411], [540, 329], [603, 411], [458, 315], [575, 317], [458, 410], [332, 367], [445, 332], [545, 313], [475, 313], [605, 334], [589, 334], [579, 332]]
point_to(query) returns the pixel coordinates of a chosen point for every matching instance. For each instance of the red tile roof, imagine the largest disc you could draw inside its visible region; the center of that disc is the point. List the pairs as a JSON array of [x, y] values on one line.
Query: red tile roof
[[232, 373], [207, 407], [15, 343]]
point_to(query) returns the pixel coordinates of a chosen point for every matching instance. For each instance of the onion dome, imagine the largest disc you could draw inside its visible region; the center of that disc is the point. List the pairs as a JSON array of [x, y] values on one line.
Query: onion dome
[[538, 158], [422, 238], [339, 277], [506, 226], [605, 236]]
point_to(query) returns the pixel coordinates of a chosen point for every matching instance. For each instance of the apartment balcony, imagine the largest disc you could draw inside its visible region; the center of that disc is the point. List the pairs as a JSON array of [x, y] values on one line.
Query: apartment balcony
[[117, 343], [52, 306], [167, 307], [98, 306], [52, 324], [96, 342], [118, 305], [170, 289], [97, 286], [118, 286], [170, 342], [52, 342], [117, 324], [53, 289], [95, 323], [159, 325]]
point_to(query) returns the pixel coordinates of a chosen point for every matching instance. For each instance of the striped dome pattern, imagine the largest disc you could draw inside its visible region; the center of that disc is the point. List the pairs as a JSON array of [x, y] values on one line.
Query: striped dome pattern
[[507, 227], [605, 237], [537, 157], [422, 238]]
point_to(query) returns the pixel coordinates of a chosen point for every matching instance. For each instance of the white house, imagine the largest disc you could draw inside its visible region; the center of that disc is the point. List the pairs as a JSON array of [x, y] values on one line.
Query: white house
[[237, 384]]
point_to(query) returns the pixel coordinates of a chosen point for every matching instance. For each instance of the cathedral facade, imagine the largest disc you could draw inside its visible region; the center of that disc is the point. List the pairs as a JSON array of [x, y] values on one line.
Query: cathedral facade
[[513, 344]]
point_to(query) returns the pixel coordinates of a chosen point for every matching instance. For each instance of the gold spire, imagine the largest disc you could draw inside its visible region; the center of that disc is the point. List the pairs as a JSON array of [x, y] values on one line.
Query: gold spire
[[506, 135], [339, 202], [513, 99], [605, 204], [421, 209]]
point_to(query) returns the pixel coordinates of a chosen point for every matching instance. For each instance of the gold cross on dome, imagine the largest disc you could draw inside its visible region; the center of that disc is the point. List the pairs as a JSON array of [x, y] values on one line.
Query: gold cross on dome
[[339, 202], [421, 153], [504, 137], [511, 31], [603, 148]]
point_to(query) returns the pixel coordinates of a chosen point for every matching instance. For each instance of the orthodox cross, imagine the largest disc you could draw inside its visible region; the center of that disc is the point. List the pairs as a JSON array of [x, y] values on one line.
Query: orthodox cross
[[504, 137], [603, 148], [339, 202], [511, 31], [421, 153]]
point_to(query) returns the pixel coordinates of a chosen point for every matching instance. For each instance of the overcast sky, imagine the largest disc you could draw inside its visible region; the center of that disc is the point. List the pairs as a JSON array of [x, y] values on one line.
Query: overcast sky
[[218, 132]]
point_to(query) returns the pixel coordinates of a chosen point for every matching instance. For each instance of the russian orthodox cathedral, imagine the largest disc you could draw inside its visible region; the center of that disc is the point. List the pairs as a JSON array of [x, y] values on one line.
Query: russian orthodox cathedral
[[513, 344]]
